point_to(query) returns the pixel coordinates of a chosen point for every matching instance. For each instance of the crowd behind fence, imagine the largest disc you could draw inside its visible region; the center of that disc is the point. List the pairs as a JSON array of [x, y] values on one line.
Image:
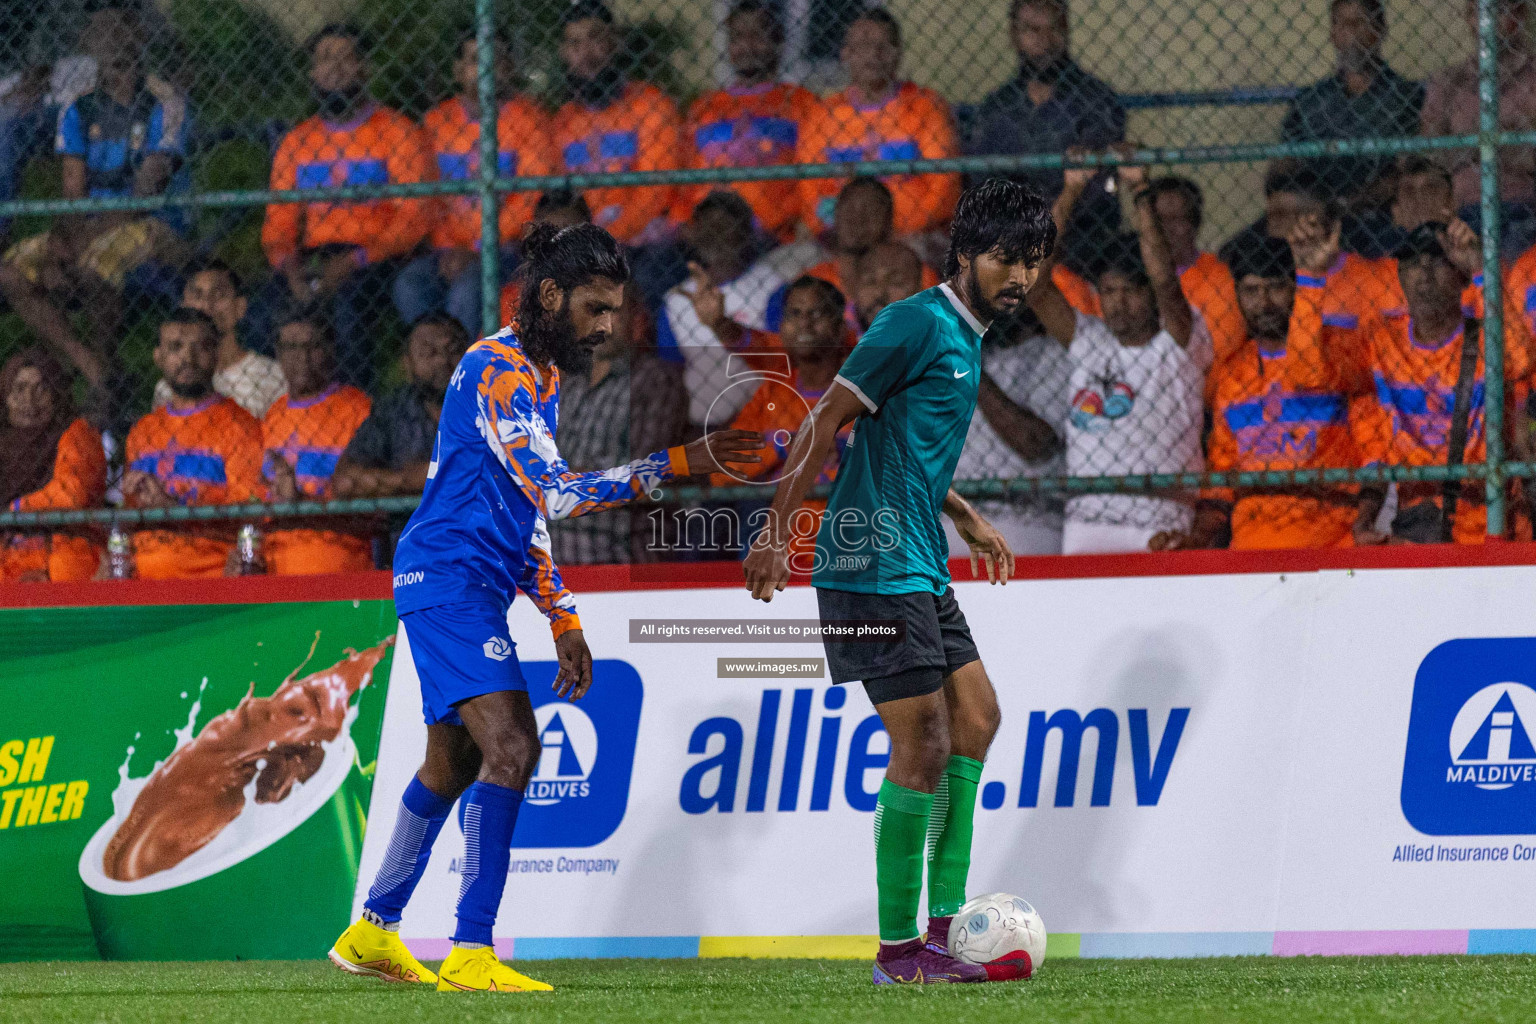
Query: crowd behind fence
[[1292, 303]]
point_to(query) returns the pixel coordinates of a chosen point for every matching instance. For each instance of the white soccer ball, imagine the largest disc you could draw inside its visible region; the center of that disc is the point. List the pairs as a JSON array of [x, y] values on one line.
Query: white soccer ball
[[1000, 929]]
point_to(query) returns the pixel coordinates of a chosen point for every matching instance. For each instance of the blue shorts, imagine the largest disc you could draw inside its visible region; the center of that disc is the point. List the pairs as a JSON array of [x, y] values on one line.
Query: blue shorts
[[461, 651]]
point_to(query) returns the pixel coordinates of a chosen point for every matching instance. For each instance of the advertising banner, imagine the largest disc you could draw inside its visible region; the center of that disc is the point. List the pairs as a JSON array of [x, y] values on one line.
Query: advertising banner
[[1258, 763], [186, 782]]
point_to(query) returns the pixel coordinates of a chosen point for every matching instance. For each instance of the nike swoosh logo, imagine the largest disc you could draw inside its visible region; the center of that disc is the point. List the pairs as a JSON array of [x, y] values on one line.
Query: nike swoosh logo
[[958, 374]]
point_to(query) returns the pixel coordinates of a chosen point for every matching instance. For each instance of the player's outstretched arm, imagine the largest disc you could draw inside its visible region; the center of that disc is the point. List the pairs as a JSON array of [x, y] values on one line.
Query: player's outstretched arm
[[981, 537], [767, 566]]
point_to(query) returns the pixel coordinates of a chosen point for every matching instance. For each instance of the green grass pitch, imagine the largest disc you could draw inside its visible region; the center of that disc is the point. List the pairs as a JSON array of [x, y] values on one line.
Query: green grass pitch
[[1251, 990]]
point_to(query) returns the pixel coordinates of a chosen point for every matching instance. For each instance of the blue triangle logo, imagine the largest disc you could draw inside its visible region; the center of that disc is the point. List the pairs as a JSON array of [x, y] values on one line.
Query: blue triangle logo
[[555, 734], [1520, 746]]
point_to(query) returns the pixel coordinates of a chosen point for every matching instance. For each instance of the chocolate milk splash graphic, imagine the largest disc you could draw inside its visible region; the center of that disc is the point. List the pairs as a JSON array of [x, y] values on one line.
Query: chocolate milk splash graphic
[[201, 787]]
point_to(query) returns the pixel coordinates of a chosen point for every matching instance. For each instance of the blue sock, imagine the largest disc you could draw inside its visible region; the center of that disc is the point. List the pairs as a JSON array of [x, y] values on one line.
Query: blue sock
[[489, 814], [422, 813]]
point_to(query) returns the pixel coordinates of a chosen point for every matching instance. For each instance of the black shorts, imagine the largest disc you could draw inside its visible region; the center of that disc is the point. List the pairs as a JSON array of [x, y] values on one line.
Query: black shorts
[[937, 642]]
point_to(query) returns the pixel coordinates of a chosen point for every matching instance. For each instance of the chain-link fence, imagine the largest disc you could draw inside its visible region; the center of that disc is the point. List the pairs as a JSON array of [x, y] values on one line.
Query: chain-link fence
[[1291, 304]]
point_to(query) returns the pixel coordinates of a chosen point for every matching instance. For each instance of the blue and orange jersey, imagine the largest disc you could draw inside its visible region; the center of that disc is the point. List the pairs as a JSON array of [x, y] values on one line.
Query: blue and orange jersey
[[1354, 289], [522, 148], [1415, 388], [757, 126], [79, 481], [310, 434], [379, 147], [495, 482], [1287, 409], [1520, 298], [641, 130], [207, 455], [913, 124]]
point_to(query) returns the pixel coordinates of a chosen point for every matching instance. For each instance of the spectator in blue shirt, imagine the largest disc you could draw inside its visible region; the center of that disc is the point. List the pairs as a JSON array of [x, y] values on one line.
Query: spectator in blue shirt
[[127, 137], [1051, 105]]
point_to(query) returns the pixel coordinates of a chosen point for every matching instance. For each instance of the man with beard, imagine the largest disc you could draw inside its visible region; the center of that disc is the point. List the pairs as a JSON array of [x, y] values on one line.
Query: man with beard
[[199, 449], [479, 536], [1363, 99], [912, 382], [343, 255], [611, 125], [1287, 398], [1052, 104], [390, 451]]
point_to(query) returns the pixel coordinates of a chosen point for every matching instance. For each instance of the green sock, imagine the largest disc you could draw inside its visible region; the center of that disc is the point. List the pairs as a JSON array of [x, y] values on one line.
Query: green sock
[[901, 815], [949, 835]]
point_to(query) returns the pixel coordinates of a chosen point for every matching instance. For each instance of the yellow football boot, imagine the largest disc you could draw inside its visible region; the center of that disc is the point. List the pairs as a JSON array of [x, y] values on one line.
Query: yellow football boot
[[367, 949], [478, 970]]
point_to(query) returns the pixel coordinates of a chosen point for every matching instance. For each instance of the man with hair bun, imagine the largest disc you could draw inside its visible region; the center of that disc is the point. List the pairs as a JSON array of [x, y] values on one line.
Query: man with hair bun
[[480, 535]]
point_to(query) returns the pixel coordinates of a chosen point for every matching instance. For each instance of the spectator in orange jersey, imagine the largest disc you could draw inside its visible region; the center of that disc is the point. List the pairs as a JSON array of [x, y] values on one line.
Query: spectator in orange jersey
[[448, 277], [304, 434], [200, 449], [888, 273], [50, 459], [389, 453], [756, 122], [1354, 289], [1206, 282], [815, 343], [344, 255], [611, 125], [1416, 360], [880, 117], [1287, 398]]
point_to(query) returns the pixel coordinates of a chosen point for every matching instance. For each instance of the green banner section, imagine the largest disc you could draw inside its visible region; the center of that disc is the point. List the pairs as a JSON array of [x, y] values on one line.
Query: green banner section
[[186, 782]]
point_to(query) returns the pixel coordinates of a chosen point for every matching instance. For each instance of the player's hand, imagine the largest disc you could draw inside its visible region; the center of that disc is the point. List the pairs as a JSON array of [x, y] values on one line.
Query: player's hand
[[713, 452], [575, 675], [987, 543], [767, 566]]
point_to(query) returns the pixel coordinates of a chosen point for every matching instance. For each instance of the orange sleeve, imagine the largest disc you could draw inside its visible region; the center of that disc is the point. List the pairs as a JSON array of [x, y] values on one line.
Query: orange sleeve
[[531, 134], [280, 231], [928, 201], [408, 220], [79, 474], [661, 140], [242, 460]]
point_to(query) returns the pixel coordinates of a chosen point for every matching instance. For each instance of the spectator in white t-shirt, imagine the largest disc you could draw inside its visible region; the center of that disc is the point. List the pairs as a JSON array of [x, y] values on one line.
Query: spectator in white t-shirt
[[253, 381], [1137, 381], [1023, 398]]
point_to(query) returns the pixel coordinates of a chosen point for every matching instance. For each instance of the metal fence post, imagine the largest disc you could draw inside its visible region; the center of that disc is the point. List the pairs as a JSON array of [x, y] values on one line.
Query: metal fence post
[[490, 220], [1493, 322]]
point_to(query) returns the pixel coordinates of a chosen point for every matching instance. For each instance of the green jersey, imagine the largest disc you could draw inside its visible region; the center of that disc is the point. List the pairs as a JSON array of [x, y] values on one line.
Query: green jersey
[[916, 370]]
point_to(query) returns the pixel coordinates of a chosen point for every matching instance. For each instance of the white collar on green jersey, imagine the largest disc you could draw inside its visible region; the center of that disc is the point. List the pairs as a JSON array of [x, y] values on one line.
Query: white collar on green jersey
[[962, 309]]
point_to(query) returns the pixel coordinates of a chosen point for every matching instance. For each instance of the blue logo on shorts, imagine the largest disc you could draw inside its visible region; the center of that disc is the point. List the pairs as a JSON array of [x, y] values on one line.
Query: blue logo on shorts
[[580, 789], [1470, 768]]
